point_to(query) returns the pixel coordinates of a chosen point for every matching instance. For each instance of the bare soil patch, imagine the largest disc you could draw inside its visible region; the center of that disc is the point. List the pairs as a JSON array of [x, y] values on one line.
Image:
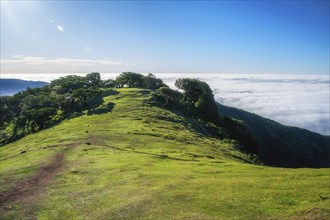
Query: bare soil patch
[[25, 187]]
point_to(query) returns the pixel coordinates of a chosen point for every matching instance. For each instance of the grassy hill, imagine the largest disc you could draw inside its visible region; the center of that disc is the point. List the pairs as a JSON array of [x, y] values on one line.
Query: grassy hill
[[139, 161]]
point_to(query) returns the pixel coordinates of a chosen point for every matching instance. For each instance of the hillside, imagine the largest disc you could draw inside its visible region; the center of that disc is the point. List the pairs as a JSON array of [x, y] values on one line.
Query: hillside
[[13, 86], [281, 145], [134, 160]]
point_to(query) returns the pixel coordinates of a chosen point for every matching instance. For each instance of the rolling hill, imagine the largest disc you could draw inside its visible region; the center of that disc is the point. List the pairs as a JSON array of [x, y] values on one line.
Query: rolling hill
[[141, 161]]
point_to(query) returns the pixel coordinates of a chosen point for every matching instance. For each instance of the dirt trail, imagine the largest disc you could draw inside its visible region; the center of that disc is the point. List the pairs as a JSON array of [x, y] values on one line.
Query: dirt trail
[[44, 175]]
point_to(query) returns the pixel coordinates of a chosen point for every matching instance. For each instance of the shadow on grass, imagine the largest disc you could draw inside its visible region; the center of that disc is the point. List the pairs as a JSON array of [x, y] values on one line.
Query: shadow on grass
[[109, 92], [102, 109]]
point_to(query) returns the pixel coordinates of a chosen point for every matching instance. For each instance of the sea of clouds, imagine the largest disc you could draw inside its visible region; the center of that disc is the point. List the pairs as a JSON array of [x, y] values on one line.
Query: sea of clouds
[[294, 100]]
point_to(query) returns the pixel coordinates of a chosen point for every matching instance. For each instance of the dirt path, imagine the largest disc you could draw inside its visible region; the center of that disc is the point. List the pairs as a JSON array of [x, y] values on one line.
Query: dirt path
[[44, 175]]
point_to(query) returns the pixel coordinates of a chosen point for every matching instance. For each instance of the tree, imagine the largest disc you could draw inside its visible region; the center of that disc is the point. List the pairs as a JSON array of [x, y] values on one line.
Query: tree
[[151, 82], [110, 83], [36, 111], [82, 98], [94, 80], [94, 102], [6, 113], [169, 95], [130, 79], [37, 108], [197, 94], [39, 118], [69, 83]]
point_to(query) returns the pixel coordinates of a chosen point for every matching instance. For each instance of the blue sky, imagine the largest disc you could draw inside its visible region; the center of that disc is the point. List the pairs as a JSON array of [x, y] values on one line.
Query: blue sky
[[278, 37]]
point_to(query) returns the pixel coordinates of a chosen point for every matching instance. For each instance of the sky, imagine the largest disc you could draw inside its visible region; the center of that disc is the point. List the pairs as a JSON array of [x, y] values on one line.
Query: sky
[[276, 37]]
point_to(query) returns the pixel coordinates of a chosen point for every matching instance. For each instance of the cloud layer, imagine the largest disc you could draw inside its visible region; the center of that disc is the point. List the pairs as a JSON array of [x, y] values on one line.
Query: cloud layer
[[29, 60], [294, 100], [36, 64]]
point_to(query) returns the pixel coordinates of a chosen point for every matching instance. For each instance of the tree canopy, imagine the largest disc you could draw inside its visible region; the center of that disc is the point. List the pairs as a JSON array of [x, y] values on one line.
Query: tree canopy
[[37, 108], [130, 79], [197, 95]]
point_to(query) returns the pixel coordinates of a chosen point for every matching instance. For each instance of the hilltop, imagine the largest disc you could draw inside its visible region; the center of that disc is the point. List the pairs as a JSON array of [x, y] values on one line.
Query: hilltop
[[136, 155]]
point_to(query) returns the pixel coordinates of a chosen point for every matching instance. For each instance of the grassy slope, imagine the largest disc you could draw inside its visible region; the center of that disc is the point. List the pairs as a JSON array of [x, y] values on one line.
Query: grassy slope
[[129, 164]]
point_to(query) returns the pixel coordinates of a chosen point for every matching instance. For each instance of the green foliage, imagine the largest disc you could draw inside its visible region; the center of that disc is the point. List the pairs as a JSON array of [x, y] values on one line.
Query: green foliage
[[216, 130], [36, 111], [86, 98], [151, 82], [168, 94], [136, 80], [102, 109], [6, 110], [130, 79], [94, 80], [198, 98], [38, 108], [68, 84], [107, 92], [110, 83], [237, 130]]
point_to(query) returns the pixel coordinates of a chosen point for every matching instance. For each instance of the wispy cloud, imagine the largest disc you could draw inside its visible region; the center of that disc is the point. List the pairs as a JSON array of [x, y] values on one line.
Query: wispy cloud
[[39, 64], [17, 56], [31, 60], [60, 28]]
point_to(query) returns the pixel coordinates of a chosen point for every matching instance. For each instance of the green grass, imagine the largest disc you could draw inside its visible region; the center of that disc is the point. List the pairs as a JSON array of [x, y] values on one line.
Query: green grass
[[143, 162]]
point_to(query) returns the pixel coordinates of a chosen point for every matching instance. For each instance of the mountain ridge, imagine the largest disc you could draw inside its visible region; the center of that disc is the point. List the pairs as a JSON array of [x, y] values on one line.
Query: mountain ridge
[[140, 160], [13, 86], [286, 145]]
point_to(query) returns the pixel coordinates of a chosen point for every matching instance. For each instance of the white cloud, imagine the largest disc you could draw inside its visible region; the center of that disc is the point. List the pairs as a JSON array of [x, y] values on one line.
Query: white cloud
[[30, 60], [17, 56], [60, 28], [33, 64]]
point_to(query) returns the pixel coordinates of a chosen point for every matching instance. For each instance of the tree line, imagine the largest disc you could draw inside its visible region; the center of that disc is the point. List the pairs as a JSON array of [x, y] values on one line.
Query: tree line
[[37, 108]]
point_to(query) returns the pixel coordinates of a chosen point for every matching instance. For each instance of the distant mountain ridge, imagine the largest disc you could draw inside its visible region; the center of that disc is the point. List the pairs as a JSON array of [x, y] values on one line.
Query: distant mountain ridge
[[13, 86], [281, 145]]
